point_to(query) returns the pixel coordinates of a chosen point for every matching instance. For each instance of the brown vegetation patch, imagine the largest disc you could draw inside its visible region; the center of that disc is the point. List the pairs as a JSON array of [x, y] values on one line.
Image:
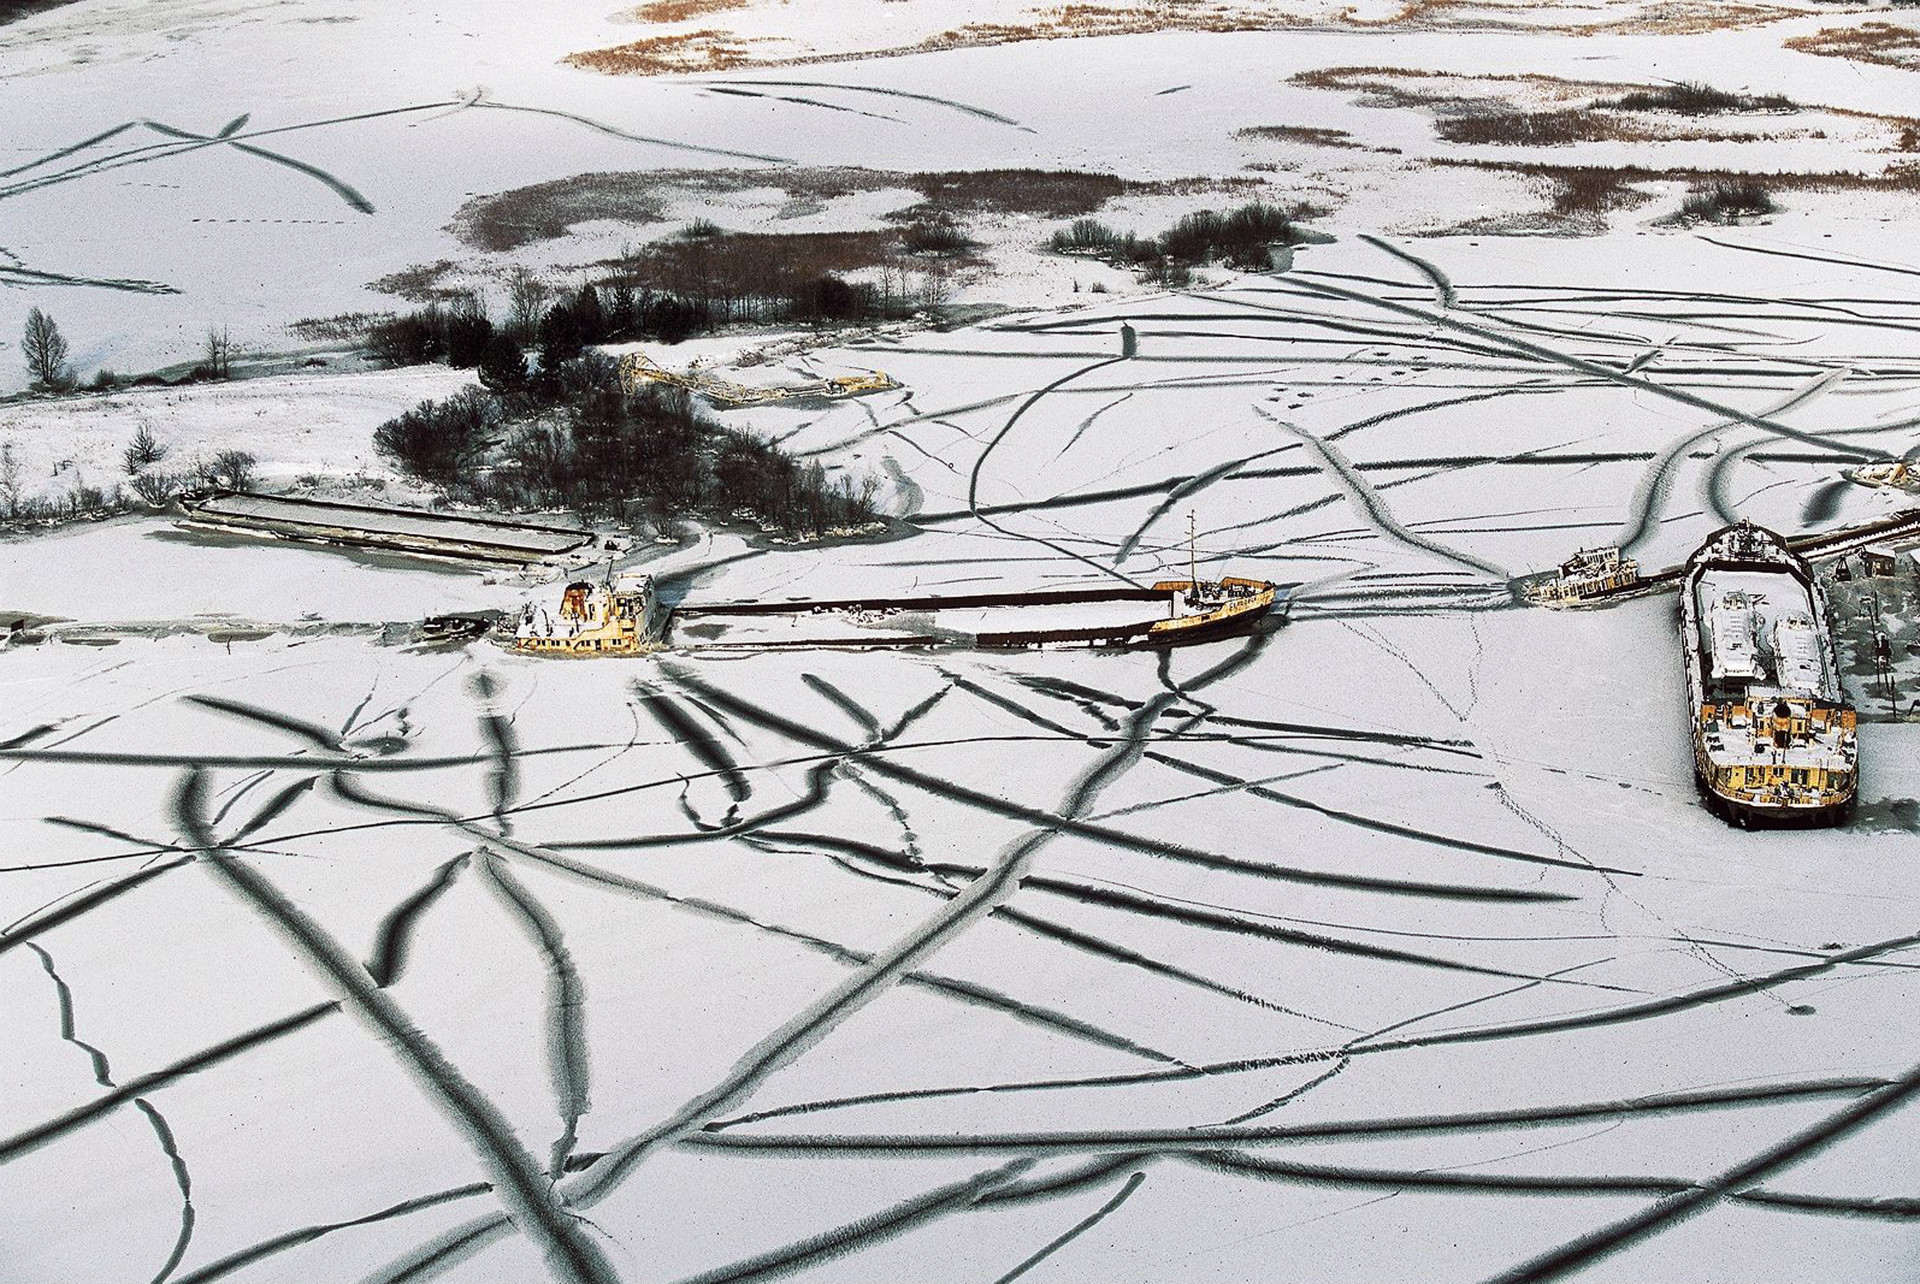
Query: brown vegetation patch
[[700, 50], [1878, 42], [421, 283], [704, 50], [758, 264], [336, 329], [684, 10], [1042, 193], [1696, 98], [1059, 22], [1541, 128], [1591, 190], [1311, 135], [1692, 18], [1548, 111], [1580, 196], [1902, 177], [546, 211]]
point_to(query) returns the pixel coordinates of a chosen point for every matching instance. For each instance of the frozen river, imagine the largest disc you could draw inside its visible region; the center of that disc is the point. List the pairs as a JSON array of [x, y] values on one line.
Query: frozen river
[[1390, 942]]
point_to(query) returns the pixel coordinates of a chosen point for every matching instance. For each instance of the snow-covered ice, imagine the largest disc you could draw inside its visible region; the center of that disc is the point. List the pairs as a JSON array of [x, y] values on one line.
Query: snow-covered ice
[[1390, 942]]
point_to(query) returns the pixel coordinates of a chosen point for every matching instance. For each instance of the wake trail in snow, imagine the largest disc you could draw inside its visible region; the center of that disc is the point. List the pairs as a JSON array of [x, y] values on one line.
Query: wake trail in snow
[[518, 1178], [1651, 495], [162, 1130], [1369, 501], [966, 108], [1078, 1229], [566, 1006]]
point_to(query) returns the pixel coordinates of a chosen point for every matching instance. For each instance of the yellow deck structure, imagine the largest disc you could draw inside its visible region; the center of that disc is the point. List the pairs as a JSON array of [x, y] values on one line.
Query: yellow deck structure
[[594, 619]]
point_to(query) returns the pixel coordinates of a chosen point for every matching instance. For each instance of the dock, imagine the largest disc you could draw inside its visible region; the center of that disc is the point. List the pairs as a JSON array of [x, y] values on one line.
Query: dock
[[414, 531]]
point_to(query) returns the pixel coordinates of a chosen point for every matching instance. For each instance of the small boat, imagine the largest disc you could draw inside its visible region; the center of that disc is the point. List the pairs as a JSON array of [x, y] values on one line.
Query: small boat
[[1896, 474], [1773, 735], [454, 628], [1587, 576]]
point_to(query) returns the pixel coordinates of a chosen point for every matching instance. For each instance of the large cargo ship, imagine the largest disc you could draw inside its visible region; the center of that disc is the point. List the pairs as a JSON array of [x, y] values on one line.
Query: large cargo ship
[[1773, 736]]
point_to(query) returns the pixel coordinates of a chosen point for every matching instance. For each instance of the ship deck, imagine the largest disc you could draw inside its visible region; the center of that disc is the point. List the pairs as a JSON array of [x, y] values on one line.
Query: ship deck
[[1773, 597]]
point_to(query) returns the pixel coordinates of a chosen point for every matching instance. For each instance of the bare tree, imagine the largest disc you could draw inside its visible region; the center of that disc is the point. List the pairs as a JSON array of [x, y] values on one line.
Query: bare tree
[[145, 449], [45, 350], [9, 480], [526, 304], [218, 353]]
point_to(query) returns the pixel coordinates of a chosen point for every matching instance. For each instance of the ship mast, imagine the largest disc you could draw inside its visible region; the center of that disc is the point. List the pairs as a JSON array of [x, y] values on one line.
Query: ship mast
[[1193, 559]]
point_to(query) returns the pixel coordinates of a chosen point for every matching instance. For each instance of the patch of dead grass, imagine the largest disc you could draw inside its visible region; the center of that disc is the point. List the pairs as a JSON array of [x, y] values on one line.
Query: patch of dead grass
[[547, 211], [667, 11], [694, 51], [1310, 135], [421, 283], [1542, 128], [1885, 43], [1902, 177], [1537, 110]]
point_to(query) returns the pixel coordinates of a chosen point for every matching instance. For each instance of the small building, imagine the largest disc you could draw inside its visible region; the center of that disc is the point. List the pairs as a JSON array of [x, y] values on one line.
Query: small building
[[1878, 559]]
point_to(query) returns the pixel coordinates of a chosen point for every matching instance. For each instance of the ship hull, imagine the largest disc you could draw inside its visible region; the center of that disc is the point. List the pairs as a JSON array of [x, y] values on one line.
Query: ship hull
[[1744, 814], [1045, 619]]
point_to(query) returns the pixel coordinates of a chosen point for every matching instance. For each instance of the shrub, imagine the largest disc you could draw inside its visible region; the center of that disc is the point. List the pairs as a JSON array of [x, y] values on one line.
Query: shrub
[[142, 451], [156, 488], [828, 298], [230, 470], [1085, 236], [503, 367], [1727, 202], [441, 441], [584, 443], [1530, 128], [410, 339], [941, 237], [1239, 237], [467, 333], [560, 338], [1205, 236], [1693, 98]]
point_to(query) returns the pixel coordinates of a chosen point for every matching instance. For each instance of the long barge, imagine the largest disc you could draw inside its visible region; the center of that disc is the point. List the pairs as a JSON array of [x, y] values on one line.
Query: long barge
[[412, 531], [605, 619], [1773, 736]]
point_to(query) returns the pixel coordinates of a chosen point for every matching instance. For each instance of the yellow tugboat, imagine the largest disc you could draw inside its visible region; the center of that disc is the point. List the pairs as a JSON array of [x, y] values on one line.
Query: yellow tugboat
[[1773, 736], [594, 619]]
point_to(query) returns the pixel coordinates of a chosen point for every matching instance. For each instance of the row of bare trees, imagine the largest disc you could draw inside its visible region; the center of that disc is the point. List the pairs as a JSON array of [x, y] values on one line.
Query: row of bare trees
[[44, 351]]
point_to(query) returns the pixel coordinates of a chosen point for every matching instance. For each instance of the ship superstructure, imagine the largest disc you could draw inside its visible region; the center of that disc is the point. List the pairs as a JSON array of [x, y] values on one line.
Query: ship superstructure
[[608, 618], [1773, 736]]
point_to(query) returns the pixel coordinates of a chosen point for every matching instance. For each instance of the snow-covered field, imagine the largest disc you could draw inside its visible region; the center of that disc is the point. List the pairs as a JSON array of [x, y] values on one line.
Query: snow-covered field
[[1389, 943]]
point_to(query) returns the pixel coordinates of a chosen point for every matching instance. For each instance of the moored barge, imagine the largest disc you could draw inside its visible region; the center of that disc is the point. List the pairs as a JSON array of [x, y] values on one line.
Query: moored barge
[[609, 619], [1773, 736]]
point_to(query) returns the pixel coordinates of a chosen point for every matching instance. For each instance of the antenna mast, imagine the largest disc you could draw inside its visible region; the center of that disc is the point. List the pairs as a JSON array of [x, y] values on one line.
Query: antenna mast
[[1193, 558]]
